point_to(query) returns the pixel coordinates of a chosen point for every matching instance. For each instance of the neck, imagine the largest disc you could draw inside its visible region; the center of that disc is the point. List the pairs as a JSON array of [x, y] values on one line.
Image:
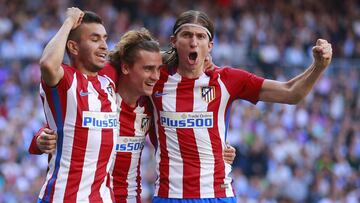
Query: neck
[[124, 90], [190, 72], [82, 69]]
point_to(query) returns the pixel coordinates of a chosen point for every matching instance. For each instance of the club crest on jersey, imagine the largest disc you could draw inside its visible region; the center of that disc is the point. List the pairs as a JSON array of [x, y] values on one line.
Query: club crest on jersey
[[208, 93], [110, 90], [145, 124]]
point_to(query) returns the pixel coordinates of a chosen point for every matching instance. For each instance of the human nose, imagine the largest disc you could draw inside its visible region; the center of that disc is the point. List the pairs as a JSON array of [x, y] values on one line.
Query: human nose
[[155, 74], [193, 42], [103, 44]]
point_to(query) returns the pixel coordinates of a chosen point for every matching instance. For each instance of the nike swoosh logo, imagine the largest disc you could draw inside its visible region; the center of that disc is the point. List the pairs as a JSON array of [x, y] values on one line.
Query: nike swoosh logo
[[159, 94], [83, 94]]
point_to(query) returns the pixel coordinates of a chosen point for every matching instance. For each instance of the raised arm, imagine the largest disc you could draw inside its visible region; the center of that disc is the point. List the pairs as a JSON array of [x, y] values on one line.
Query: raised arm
[[53, 54], [294, 90]]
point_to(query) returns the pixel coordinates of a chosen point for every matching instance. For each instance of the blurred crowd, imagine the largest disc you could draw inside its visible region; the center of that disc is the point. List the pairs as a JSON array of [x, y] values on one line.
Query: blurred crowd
[[304, 153]]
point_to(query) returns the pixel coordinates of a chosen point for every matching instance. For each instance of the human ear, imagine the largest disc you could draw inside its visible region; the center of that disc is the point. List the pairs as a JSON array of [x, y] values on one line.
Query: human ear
[[124, 68], [211, 44], [172, 41], [72, 47]]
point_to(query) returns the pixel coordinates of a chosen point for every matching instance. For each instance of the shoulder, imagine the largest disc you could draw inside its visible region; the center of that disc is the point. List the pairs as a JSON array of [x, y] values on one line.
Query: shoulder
[[68, 68], [226, 70], [110, 72]]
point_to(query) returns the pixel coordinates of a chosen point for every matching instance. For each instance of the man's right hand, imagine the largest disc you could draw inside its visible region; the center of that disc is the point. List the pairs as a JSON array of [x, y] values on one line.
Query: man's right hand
[[75, 15], [46, 141]]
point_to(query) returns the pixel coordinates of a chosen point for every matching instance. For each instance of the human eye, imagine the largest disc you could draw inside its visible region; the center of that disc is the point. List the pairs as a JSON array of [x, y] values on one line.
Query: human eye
[[94, 39], [202, 36], [186, 34], [147, 68]]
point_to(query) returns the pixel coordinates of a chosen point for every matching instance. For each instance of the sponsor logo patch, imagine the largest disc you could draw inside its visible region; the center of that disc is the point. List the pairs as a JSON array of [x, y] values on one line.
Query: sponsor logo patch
[[129, 144], [99, 120], [186, 119]]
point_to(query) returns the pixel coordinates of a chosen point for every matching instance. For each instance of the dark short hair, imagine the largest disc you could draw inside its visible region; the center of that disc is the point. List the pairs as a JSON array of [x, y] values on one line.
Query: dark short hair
[[89, 17]]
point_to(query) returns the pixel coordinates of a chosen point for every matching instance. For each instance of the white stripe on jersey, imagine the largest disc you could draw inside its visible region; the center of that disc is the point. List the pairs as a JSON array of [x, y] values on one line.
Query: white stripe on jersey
[[132, 174], [175, 168], [157, 152], [202, 140], [88, 176], [221, 116], [51, 122]]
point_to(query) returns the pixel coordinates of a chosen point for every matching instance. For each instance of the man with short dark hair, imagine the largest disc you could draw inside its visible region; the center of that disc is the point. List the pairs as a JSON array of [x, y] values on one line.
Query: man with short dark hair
[[80, 106]]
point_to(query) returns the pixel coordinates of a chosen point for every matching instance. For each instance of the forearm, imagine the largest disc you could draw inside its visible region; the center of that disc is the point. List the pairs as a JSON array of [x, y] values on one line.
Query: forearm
[[302, 84], [53, 54], [294, 90]]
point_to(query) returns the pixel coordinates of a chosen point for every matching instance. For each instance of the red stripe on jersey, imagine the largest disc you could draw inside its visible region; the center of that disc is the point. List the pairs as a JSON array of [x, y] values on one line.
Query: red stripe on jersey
[[123, 160], [219, 166], [187, 142], [108, 179], [79, 144], [127, 120], [105, 147], [119, 174], [164, 156]]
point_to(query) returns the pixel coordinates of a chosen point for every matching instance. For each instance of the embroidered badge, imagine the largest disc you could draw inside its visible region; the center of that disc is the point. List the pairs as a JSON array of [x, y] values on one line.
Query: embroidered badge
[[208, 93], [110, 90], [145, 124]]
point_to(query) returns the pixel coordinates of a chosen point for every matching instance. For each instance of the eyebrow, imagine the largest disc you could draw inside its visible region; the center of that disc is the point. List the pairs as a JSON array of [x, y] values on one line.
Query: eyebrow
[[149, 66]]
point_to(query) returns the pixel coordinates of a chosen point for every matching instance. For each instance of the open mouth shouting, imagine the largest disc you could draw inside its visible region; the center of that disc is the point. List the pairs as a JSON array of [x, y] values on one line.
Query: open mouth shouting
[[192, 58]]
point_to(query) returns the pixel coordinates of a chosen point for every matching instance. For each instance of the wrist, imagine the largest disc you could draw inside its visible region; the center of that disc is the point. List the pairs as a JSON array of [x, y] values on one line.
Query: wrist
[[69, 22], [318, 66]]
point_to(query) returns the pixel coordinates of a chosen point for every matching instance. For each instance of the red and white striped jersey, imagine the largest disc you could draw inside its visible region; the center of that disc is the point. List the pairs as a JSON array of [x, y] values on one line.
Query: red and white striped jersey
[[83, 111], [125, 173], [191, 119]]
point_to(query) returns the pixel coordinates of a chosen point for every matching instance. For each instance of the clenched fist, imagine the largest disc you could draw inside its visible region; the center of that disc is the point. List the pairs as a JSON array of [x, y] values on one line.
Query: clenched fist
[[75, 15], [322, 53]]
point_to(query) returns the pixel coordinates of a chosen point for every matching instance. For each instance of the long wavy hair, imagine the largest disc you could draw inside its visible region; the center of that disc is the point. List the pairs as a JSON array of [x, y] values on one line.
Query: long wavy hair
[[128, 47]]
